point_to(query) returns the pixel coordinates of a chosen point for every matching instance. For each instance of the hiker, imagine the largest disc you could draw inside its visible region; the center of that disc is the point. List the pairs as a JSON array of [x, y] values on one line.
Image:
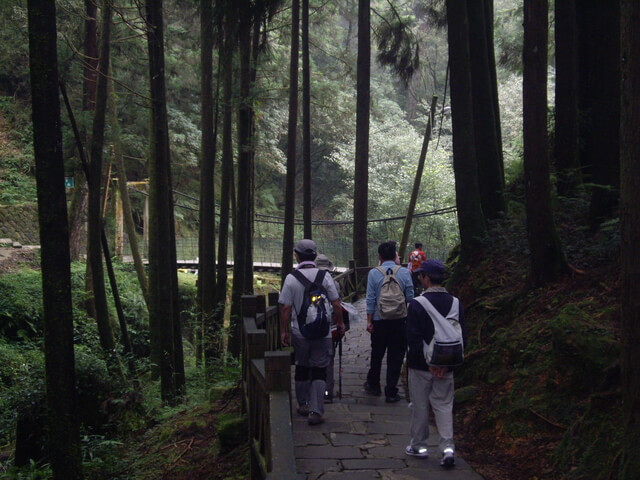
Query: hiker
[[389, 288], [416, 258], [308, 294], [430, 379], [323, 263]]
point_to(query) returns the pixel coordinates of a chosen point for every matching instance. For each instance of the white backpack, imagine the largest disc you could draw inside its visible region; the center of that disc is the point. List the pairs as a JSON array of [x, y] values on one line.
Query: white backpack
[[446, 348], [392, 303]]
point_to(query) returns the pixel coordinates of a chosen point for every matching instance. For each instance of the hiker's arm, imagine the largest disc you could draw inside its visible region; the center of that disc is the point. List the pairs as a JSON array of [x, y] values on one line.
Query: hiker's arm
[[337, 315], [369, 322], [285, 320]]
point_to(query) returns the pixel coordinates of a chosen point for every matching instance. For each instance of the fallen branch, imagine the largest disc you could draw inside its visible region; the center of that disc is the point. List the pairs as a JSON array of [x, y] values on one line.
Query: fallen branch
[[184, 451], [550, 422]]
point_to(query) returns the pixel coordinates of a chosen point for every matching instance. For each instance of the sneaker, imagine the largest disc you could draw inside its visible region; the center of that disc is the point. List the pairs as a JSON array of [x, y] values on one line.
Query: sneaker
[[315, 418], [372, 390], [420, 452], [393, 398], [303, 410], [448, 460], [328, 398]]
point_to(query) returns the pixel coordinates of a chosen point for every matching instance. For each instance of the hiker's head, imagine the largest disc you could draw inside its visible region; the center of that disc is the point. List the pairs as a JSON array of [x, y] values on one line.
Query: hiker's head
[[434, 270], [323, 262], [387, 251], [306, 250], [418, 245]]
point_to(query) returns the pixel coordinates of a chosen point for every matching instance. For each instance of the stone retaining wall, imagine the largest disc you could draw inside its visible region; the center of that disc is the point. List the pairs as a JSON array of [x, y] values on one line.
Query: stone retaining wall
[[20, 223]]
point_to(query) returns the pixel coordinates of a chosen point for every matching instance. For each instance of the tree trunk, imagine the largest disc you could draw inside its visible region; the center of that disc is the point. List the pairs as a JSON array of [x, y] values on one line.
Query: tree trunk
[[64, 434], [161, 267], [470, 217], [406, 230], [124, 196], [226, 55], [306, 122], [630, 235], [361, 173], [566, 152], [599, 104], [290, 189], [242, 241], [488, 23], [94, 181], [206, 247], [547, 256], [78, 216], [488, 146]]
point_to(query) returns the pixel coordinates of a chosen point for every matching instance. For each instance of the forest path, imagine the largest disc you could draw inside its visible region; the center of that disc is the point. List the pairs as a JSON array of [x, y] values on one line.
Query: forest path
[[362, 436]]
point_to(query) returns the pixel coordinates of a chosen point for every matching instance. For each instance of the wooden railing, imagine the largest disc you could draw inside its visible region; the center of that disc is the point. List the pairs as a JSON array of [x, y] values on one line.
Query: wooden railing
[[266, 378], [352, 282]]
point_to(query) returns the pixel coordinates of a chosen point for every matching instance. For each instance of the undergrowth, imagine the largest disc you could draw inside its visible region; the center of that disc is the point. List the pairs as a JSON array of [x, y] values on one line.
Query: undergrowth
[[540, 390]]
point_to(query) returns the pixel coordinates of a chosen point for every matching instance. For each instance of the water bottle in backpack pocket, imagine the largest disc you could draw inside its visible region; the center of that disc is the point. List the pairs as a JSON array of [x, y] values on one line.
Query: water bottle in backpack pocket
[[313, 317], [446, 348]]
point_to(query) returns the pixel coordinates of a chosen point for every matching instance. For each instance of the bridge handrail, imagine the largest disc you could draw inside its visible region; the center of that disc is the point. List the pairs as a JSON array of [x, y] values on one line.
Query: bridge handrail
[[352, 281], [266, 380]]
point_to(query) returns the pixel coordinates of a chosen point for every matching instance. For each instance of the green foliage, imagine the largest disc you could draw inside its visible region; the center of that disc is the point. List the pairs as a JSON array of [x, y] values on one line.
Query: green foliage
[[21, 304], [232, 432]]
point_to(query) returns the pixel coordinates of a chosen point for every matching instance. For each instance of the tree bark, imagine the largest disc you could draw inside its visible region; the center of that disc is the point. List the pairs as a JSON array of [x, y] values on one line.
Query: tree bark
[[361, 173], [416, 181], [630, 235], [94, 181], [566, 151], [547, 256], [599, 104], [161, 267], [63, 423], [226, 54], [470, 216], [207, 258], [243, 242], [290, 189], [306, 122], [488, 146]]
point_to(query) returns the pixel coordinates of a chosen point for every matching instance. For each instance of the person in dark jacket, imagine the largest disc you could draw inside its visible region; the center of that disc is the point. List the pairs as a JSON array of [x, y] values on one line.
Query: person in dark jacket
[[430, 386]]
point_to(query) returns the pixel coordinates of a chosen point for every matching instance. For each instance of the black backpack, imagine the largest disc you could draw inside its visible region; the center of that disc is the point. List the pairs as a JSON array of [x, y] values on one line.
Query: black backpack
[[313, 317]]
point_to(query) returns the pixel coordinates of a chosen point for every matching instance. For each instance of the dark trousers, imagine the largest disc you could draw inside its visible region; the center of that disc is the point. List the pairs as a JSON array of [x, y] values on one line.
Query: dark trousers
[[388, 336]]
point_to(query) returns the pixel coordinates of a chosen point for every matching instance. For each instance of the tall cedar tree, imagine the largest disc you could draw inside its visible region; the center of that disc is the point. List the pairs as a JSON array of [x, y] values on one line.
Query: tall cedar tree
[[470, 217], [599, 103], [361, 173], [290, 189], [567, 160], [488, 145], [306, 122], [630, 229], [78, 207], [63, 424], [547, 256], [242, 231], [162, 268], [226, 47], [94, 181], [206, 247]]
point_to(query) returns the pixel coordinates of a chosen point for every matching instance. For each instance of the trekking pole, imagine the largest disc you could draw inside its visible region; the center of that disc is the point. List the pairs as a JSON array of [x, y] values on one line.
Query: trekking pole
[[340, 368]]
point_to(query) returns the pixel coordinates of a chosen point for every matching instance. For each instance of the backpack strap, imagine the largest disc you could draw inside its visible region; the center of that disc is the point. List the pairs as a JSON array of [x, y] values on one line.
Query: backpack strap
[[320, 277], [302, 278]]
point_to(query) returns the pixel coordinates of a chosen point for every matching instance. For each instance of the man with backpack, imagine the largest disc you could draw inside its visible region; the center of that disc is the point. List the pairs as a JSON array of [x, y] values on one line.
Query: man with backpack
[[389, 289], [308, 301], [436, 337]]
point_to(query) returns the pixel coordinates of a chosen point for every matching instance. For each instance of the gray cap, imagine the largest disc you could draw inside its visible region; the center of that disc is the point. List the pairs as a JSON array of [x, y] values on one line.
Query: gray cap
[[323, 262], [306, 246]]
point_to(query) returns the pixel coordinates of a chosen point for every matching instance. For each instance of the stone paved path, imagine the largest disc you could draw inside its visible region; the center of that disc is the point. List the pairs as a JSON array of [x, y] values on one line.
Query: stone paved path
[[363, 437]]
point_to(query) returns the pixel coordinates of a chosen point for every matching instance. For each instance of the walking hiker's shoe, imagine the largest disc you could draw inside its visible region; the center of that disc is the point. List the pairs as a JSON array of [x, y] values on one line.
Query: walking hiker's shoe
[[303, 410], [315, 418], [328, 397], [448, 460], [372, 390], [420, 452], [393, 398]]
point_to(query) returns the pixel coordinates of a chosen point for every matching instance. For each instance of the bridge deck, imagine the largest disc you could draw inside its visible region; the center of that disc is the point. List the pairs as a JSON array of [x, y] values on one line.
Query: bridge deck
[[363, 437]]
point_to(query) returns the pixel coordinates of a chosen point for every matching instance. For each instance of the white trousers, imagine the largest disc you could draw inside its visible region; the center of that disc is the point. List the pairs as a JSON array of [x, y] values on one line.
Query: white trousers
[[425, 391]]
